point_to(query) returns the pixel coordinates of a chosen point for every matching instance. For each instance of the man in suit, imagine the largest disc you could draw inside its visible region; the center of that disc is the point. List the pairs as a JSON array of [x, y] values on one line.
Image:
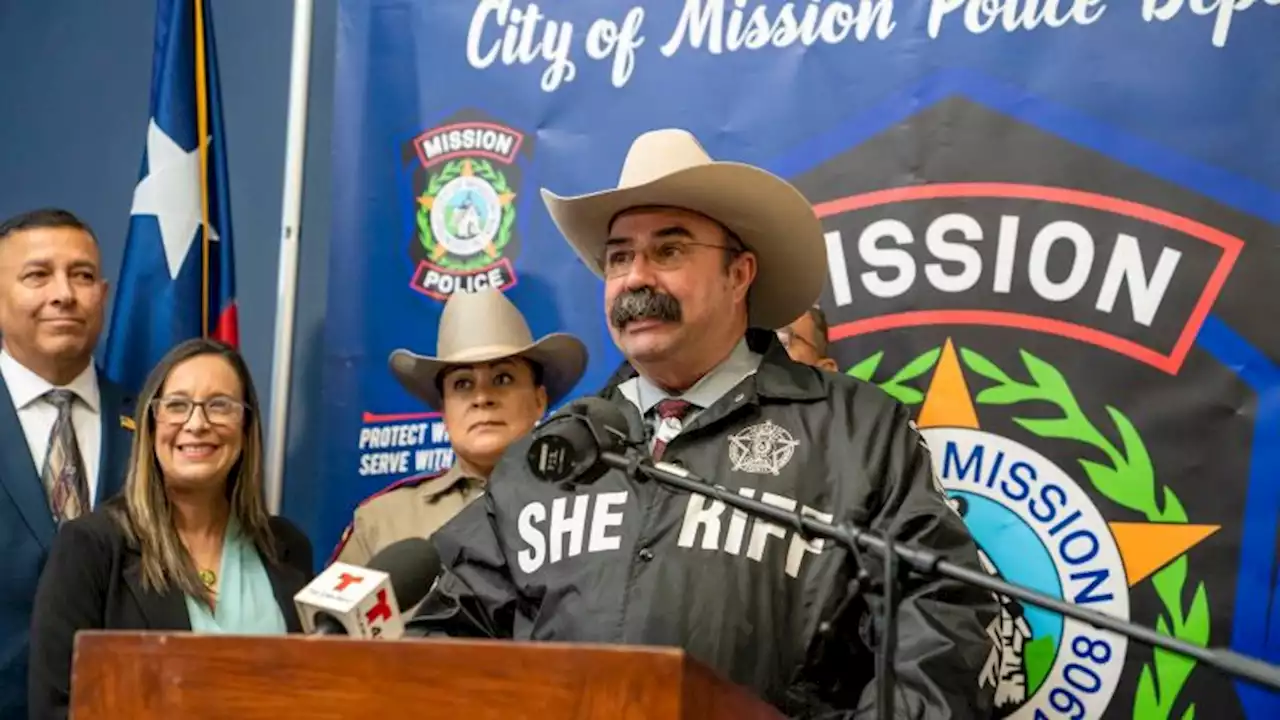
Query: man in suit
[[64, 428]]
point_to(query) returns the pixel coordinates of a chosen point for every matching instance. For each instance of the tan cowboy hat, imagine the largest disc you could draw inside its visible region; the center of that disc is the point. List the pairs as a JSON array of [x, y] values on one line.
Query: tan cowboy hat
[[669, 168], [482, 327]]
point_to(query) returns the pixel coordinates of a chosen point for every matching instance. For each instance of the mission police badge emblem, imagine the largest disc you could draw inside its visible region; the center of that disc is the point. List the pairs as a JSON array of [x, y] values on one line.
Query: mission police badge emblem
[[465, 187], [1067, 330]]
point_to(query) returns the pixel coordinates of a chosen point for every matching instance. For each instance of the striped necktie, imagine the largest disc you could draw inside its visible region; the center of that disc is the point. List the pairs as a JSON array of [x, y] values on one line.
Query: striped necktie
[[63, 470]]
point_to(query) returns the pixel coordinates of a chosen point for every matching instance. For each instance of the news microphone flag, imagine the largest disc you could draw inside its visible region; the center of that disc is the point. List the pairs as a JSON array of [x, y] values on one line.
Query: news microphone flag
[[178, 277], [358, 599]]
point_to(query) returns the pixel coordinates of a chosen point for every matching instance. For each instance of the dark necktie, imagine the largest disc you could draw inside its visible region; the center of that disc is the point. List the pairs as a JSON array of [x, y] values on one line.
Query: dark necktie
[[63, 470], [671, 415]]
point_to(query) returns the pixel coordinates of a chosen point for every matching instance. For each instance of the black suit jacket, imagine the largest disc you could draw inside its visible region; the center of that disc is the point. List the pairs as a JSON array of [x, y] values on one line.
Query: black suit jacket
[[27, 527], [93, 580]]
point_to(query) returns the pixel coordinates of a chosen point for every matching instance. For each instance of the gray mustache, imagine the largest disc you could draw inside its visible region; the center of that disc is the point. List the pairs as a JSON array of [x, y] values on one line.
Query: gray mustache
[[643, 304]]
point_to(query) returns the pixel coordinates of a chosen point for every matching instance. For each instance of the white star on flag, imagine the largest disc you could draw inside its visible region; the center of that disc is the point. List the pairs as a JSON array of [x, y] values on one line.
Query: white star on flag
[[171, 193]]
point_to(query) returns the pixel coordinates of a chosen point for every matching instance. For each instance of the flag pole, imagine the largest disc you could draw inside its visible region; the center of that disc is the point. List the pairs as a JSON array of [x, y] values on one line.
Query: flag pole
[[287, 283]]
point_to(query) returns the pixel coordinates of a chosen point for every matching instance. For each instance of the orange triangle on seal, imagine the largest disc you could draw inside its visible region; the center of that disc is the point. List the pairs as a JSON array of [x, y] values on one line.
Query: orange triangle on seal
[[948, 403], [1147, 547]]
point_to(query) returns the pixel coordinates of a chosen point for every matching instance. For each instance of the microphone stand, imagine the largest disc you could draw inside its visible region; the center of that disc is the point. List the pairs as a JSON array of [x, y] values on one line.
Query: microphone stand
[[888, 640], [927, 562]]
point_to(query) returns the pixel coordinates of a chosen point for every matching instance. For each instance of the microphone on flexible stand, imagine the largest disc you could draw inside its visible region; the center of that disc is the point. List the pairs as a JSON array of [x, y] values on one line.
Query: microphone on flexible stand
[[569, 446], [365, 602], [592, 435]]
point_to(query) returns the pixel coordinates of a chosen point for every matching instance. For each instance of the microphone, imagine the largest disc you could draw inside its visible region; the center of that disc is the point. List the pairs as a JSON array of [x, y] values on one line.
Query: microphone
[[364, 602], [568, 446], [584, 440], [413, 565]]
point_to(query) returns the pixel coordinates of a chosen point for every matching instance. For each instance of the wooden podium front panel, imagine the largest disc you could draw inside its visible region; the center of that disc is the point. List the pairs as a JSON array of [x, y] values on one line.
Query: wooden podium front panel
[[194, 677]]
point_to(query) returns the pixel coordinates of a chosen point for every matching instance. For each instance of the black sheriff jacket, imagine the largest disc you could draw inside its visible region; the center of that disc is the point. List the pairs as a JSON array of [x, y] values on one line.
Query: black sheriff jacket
[[631, 562]]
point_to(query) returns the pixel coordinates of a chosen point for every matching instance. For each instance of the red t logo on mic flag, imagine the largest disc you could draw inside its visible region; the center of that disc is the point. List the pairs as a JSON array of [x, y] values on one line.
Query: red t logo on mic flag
[[381, 611], [346, 580]]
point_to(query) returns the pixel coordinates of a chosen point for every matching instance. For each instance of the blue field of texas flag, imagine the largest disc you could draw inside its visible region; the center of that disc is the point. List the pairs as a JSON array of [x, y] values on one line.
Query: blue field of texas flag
[[178, 277]]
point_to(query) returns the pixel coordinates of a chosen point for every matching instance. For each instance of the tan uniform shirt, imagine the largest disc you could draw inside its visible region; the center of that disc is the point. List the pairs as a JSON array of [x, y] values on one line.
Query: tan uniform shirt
[[412, 507]]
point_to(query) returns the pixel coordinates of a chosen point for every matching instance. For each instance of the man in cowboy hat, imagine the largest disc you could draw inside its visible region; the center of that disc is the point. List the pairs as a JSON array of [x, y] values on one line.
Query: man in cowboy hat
[[492, 383], [702, 261]]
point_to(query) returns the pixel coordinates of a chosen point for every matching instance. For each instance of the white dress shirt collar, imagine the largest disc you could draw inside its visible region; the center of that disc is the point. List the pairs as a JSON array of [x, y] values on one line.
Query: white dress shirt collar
[[25, 387], [741, 363]]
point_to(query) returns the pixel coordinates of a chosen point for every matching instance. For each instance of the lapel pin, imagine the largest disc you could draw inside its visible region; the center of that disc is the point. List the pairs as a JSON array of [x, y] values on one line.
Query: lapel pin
[[127, 423]]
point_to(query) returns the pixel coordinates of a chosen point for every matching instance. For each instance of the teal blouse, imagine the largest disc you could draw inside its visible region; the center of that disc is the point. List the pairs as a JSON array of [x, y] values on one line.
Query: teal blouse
[[246, 603]]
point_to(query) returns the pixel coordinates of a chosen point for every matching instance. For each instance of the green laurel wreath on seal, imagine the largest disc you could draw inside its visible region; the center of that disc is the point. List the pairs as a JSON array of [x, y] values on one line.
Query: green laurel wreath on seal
[[451, 170], [1127, 479], [896, 385]]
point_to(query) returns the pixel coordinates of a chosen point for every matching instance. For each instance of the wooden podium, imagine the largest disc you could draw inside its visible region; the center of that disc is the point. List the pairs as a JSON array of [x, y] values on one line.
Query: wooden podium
[[141, 676]]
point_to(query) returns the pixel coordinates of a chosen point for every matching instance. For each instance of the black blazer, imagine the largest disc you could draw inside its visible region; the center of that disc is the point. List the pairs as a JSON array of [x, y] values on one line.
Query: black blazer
[[93, 580]]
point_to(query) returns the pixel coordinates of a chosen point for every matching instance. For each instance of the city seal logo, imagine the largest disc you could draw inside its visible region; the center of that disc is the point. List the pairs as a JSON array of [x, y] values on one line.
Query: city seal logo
[[1089, 304], [464, 208], [1036, 526]]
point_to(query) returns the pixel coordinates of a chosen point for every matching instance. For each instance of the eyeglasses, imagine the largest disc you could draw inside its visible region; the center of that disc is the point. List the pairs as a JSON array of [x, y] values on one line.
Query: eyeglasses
[[787, 336], [177, 410], [666, 255]]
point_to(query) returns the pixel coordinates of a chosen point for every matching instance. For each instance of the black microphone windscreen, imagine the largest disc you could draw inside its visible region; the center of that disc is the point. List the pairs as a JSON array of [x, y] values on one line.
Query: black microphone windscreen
[[412, 564], [327, 624], [608, 419], [561, 446], [567, 446]]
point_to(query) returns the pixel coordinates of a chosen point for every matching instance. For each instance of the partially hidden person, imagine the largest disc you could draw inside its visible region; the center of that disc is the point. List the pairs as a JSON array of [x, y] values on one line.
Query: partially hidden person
[[65, 428], [491, 382]]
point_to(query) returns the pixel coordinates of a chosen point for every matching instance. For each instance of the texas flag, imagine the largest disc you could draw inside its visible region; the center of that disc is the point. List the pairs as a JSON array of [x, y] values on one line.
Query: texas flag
[[178, 277]]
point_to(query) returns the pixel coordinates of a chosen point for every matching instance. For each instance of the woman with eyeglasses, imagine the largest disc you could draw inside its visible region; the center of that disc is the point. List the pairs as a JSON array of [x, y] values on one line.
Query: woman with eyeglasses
[[188, 545]]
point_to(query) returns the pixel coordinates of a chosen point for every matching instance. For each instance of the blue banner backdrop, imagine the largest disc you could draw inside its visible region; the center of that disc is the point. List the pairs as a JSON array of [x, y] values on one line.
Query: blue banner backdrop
[[1052, 228]]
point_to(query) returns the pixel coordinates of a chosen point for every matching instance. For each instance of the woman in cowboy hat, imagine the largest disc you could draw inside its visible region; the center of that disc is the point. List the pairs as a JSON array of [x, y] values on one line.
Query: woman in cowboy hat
[[492, 383]]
